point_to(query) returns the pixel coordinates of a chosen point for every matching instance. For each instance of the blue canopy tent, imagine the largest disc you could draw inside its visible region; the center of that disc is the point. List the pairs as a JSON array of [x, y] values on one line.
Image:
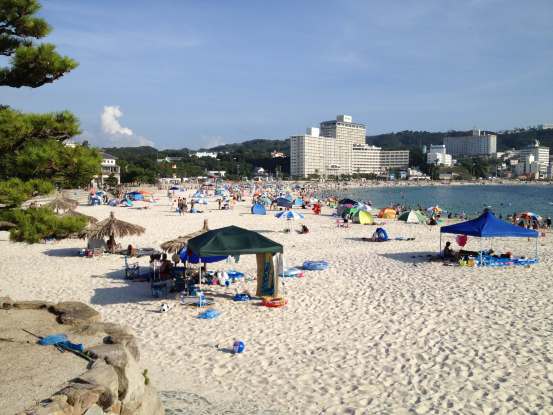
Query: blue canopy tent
[[188, 256], [488, 226], [258, 209], [283, 202]]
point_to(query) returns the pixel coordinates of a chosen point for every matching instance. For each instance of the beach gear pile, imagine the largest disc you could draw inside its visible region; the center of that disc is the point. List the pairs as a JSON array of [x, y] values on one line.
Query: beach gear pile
[[315, 265], [209, 314]]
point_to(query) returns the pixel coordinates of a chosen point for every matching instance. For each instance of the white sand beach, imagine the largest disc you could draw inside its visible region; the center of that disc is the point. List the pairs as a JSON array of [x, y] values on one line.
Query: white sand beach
[[382, 331]]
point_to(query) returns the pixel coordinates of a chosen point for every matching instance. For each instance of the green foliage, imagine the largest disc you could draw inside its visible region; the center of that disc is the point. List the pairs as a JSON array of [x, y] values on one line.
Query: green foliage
[[111, 181], [30, 65], [52, 160], [14, 191], [16, 128], [35, 224]]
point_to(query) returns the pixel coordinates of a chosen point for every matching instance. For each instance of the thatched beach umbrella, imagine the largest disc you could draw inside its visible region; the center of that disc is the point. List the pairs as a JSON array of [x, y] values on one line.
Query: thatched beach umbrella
[[61, 202], [176, 245], [112, 228], [6, 226]]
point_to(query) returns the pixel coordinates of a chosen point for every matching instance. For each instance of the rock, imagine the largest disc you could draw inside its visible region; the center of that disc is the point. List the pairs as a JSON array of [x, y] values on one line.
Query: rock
[[94, 410], [57, 405], [31, 305], [74, 312], [6, 303], [149, 405], [113, 354], [81, 396], [127, 340], [115, 408], [103, 375], [131, 380]]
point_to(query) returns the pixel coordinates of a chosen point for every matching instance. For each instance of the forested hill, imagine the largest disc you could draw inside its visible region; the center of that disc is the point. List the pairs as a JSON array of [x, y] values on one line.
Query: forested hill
[[262, 146], [409, 140], [416, 139]]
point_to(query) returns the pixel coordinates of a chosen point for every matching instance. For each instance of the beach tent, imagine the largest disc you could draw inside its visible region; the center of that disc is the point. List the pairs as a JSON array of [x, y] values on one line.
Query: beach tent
[[283, 202], [363, 217], [347, 202], [258, 209], [488, 226], [234, 241], [187, 256], [387, 213], [362, 206], [413, 216]]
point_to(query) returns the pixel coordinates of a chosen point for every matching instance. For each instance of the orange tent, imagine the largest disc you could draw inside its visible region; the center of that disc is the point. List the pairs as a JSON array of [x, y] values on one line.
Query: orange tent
[[387, 213]]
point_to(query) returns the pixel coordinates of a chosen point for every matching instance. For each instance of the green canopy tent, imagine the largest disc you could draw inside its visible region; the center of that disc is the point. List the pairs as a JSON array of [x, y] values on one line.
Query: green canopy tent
[[234, 241], [413, 216]]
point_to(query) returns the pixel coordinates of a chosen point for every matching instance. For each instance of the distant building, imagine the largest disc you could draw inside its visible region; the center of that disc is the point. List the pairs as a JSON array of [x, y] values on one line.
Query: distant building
[[338, 147], [201, 154], [109, 167], [216, 173], [394, 159], [477, 144], [540, 156], [169, 159], [437, 155], [277, 154], [545, 126]]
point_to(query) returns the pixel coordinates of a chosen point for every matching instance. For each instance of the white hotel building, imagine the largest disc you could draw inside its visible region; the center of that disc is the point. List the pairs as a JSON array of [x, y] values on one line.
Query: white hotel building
[[338, 148]]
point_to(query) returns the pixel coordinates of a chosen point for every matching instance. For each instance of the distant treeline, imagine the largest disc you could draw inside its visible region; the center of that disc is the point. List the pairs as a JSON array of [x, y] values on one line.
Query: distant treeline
[[240, 159]]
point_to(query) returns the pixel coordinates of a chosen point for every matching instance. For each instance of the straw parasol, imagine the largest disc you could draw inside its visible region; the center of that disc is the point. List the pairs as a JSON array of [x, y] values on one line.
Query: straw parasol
[[61, 202], [112, 228], [176, 245], [6, 226]]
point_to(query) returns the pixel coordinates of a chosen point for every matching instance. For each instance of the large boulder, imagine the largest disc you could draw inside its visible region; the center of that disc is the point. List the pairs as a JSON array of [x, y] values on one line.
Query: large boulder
[[74, 312], [103, 375], [31, 305]]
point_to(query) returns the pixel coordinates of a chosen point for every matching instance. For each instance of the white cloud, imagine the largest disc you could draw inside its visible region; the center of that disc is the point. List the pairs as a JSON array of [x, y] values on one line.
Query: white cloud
[[110, 121], [112, 133]]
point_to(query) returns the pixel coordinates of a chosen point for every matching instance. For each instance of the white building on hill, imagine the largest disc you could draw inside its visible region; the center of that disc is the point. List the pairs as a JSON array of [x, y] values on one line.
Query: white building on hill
[[477, 144], [438, 156], [339, 147]]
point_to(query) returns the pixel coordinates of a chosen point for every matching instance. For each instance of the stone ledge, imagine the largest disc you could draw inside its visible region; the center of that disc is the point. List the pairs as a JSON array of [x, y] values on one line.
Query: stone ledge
[[113, 384]]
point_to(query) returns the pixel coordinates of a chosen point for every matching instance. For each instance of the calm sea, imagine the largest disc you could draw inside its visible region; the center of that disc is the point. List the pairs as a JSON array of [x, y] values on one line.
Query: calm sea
[[503, 199]]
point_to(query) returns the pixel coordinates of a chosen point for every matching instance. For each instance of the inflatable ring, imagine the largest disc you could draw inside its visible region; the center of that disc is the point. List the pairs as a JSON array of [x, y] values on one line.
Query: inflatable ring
[[315, 265], [291, 273], [241, 297], [274, 302]]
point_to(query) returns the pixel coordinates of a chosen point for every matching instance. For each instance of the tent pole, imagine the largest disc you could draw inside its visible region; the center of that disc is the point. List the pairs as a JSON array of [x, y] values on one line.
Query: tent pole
[[200, 276]]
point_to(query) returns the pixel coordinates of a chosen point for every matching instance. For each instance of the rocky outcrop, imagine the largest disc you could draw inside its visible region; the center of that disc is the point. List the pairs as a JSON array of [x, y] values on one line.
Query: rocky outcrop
[[114, 383]]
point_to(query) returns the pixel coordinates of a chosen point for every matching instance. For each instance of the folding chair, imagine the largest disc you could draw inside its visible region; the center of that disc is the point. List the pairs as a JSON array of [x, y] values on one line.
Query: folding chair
[[131, 270]]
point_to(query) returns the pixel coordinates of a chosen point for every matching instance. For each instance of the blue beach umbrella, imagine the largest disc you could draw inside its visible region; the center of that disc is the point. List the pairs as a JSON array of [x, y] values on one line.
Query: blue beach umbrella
[[289, 215]]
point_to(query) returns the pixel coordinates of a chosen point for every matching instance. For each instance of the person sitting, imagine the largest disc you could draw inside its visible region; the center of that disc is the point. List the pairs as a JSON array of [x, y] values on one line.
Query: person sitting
[[131, 251], [165, 268], [449, 253], [304, 229]]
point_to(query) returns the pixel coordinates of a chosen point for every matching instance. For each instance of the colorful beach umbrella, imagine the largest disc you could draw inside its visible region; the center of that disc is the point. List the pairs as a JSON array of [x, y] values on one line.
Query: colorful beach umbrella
[[289, 215]]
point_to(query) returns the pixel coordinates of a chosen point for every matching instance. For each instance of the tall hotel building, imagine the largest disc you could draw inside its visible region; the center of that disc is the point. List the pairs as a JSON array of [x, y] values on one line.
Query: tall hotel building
[[338, 148], [477, 144]]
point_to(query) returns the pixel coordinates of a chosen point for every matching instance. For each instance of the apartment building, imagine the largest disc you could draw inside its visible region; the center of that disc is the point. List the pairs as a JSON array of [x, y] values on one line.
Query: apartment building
[[437, 155], [338, 148], [477, 144], [540, 156]]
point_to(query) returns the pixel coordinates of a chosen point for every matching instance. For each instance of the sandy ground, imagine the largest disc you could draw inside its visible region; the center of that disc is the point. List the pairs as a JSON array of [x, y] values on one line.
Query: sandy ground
[[383, 330]]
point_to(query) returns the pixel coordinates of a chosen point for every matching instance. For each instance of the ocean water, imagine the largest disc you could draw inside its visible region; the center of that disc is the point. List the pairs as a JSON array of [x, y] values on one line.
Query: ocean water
[[503, 199]]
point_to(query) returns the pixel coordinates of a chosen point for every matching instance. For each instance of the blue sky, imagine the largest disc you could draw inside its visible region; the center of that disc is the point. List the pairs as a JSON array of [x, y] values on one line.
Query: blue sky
[[201, 73]]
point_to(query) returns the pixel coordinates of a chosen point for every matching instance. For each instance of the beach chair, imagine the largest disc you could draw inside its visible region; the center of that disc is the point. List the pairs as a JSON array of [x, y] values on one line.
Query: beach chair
[[131, 270]]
